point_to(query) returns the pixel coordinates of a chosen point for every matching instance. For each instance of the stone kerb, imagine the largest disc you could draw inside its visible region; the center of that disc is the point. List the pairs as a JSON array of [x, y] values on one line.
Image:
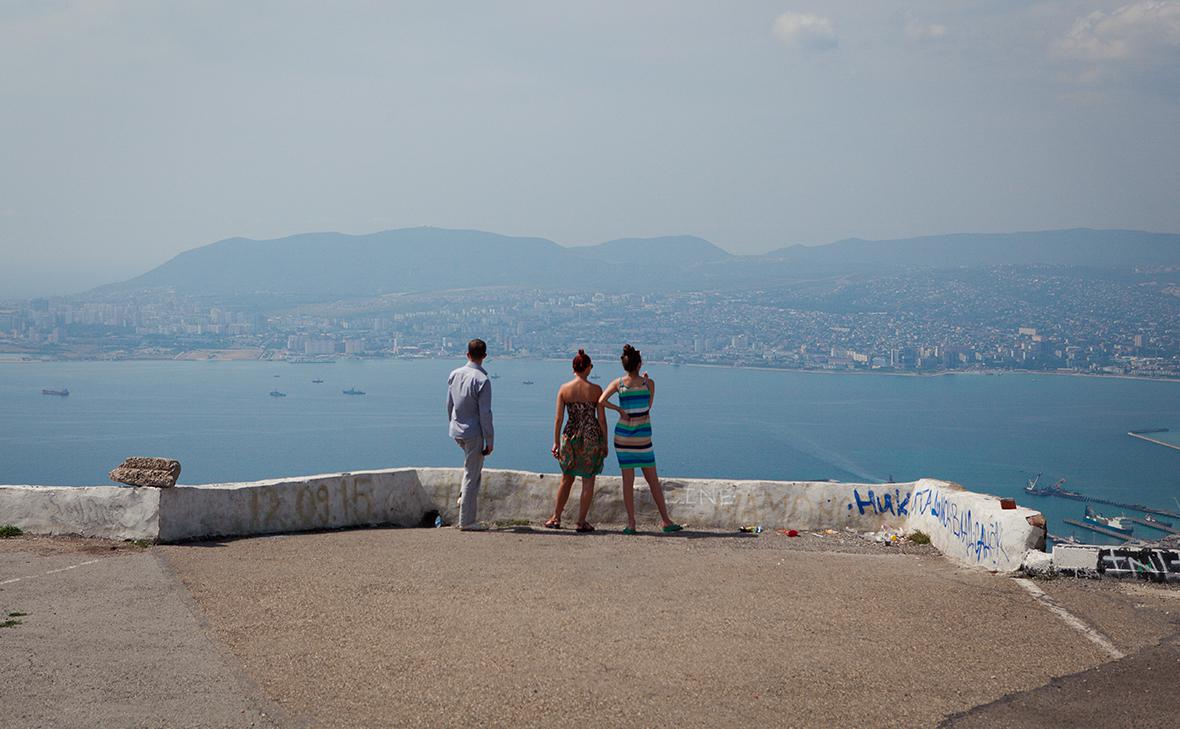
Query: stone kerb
[[327, 501], [107, 512], [968, 527], [713, 503]]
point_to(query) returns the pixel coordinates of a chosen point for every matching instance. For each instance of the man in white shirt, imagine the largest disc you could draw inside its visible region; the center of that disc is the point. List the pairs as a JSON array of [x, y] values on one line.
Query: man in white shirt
[[469, 412]]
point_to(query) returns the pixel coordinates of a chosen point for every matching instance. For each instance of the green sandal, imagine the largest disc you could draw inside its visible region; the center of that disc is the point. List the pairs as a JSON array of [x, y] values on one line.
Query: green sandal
[[629, 530], [673, 528]]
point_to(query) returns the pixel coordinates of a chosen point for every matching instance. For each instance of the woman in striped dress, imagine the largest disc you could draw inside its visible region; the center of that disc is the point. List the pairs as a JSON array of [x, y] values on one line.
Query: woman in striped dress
[[633, 436]]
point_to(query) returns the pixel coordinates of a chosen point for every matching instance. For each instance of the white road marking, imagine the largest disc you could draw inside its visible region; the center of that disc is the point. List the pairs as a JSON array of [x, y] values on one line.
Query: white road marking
[[1070, 619], [50, 572]]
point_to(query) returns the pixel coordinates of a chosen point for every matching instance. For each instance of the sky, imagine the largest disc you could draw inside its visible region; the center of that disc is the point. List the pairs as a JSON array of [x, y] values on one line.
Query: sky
[[132, 130]]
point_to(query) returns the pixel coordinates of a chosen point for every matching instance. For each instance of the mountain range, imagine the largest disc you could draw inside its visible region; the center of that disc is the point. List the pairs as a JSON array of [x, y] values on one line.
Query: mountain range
[[324, 265]]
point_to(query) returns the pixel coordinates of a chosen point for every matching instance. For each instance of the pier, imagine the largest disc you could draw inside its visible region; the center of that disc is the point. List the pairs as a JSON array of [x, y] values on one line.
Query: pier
[[1056, 490], [1153, 524], [1100, 529], [1144, 435]]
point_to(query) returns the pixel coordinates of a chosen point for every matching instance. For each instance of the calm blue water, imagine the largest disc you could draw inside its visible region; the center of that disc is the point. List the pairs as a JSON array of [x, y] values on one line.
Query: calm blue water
[[987, 432]]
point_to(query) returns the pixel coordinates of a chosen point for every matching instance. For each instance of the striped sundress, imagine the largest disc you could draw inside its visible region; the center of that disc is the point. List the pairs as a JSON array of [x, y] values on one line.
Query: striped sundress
[[633, 433]]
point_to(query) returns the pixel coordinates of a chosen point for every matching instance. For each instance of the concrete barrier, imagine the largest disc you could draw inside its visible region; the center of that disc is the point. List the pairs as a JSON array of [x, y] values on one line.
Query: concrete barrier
[[328, 501], [972, 528], [968, 527], [1095, 561], [109, 512]]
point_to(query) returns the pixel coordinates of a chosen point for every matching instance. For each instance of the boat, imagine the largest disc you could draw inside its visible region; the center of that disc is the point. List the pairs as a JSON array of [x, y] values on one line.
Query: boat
[[528, 382], [1032, 488], [317, 382], [353, 391], [494, 377], [276, 375], [276, 393], [1152, 520], [64, 392], [1113, 523]]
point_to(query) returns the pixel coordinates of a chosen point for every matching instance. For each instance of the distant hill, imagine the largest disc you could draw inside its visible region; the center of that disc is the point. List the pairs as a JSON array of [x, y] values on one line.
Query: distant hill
[[677, 251], [409, 259], [324, 265], [1076, 247]]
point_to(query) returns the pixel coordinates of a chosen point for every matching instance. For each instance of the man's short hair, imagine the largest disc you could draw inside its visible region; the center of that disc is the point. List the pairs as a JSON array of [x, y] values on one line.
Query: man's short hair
[[477, 349]]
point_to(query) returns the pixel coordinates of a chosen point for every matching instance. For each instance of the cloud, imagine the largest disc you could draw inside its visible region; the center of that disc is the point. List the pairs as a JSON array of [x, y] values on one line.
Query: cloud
[[800, 30], [925, 32], [1144, 31]]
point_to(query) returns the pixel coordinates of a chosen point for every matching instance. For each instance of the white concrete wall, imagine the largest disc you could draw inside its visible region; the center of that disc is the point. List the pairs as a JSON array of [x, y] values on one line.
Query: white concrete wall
[[714, 503], [109, 512], [289, 505], [970, 528]]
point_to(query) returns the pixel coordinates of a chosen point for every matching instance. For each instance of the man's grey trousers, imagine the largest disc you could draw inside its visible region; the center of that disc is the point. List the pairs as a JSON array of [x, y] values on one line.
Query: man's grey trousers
[[472, 474]]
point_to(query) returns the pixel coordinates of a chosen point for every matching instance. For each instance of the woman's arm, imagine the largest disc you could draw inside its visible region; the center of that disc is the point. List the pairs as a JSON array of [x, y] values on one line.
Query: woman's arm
[[556, 451], [602, 428], [604, 400], [651, 387]]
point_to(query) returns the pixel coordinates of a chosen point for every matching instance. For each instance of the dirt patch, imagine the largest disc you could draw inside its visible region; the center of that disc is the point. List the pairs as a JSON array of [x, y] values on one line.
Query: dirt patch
[[43, 545]]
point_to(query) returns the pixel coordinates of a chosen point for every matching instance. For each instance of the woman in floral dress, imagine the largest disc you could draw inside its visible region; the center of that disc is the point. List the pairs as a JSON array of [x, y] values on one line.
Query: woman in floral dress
[[581, 446]]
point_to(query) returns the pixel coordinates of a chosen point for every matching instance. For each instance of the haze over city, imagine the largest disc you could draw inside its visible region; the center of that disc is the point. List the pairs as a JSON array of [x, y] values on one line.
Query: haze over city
[[137, 130]]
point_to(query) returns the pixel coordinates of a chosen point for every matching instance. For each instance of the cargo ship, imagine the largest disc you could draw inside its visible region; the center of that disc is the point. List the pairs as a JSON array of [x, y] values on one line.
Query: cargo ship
[[64, 392], [276, 393], [1115, 524], [353, 391]]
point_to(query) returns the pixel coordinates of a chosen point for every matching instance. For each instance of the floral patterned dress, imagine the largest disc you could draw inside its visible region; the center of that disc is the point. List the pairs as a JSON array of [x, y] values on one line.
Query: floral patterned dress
[[582, 444]]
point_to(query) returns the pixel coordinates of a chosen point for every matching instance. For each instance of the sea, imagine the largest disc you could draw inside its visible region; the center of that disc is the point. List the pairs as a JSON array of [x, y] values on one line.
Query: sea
[[990, 433]]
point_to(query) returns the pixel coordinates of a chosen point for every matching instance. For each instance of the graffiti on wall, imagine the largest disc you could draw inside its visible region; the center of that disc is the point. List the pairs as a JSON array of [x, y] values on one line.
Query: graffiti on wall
[[982, 540], [881, 504], [1157, 565]]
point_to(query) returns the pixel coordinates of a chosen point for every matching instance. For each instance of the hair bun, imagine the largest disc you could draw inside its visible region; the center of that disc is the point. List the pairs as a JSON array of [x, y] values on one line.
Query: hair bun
[[581, 351]]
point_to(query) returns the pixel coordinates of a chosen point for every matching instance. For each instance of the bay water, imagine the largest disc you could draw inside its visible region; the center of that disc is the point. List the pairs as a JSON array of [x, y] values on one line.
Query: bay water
[[990, 433]]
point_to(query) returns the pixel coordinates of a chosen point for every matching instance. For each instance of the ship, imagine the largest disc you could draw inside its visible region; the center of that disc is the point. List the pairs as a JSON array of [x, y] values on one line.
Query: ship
[[276, 393], [1113, 523], [317, 382], [528, 382], [494, 377], [353, 391], [64, 392], [1152, 520]]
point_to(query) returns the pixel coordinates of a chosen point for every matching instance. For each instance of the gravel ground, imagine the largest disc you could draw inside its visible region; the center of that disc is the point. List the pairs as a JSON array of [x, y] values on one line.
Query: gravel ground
[[528, 627], [104, 636], [519, 627]]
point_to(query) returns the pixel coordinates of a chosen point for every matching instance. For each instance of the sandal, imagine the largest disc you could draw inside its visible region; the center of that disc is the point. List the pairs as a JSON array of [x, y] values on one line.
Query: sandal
[[673, 528], [629, 530], [553, 524], [585, 527]]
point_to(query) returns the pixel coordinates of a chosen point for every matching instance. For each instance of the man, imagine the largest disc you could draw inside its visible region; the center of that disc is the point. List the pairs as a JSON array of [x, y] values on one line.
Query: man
[[469, 410]]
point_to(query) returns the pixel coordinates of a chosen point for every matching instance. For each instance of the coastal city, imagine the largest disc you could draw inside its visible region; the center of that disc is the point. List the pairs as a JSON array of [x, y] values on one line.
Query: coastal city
[[923, 321]]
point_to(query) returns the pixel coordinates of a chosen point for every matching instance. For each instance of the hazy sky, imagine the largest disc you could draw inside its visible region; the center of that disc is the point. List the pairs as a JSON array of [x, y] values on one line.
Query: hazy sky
[[134, 129]]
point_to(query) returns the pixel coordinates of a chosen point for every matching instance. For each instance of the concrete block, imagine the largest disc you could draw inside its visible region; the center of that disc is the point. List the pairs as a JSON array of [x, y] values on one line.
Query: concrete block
[[1076, 559], [109, 512]]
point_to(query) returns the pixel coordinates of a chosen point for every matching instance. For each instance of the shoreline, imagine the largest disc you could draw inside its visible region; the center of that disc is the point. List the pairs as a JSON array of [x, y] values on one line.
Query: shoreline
[[800, 370]]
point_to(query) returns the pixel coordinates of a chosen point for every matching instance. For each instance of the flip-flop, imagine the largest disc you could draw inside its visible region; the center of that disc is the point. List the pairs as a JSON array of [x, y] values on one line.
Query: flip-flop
[[629, 530], [584, 527], [673, 528], [552, 524]]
